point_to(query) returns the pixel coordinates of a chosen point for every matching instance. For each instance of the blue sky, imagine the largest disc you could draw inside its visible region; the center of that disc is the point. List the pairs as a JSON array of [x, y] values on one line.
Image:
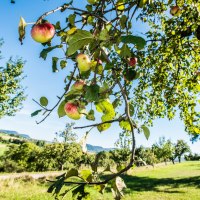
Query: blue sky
[[41, 81]]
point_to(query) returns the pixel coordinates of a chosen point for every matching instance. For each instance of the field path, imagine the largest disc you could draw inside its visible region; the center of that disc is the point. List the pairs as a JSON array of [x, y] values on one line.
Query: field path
[[32, 175]]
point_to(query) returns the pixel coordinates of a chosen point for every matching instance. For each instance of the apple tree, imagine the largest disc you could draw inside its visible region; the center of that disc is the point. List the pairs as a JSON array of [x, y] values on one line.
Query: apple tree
[[128, 76]]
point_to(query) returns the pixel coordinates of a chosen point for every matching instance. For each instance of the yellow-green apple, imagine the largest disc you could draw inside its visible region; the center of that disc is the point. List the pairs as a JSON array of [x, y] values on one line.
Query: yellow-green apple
[[84, 62], [43, 32], [174, 10], [78, 85], [72, 110], [132, 61]]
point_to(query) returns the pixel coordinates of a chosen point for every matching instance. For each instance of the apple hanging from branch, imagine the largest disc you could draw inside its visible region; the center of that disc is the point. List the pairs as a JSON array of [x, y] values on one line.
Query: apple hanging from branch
[[175, 10], [132, 61], [72, 110], [78, 85], [84, 62], [43, 32]]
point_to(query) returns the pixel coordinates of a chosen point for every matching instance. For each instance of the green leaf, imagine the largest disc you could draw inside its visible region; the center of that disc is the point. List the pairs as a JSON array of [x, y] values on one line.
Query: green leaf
[[86, 174], [125, 51], [90, 115], [103, 127], [139, 42], [125, 125], [92, 92], [78, 40], [105, 107], [54, 64], [57, 185], [146, 131], [100, 188], [44, 52], [61, 111], [71, 172], [120, 167], [63, 64], [109, 66], [71, 19], [104, 35], [57, 26], [123, 20], [35, 113], [44, 101], [79, 193]]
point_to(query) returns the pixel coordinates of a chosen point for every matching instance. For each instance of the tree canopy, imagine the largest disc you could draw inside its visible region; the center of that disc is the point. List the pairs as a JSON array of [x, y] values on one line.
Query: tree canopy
[[11, 89], [129, 76]]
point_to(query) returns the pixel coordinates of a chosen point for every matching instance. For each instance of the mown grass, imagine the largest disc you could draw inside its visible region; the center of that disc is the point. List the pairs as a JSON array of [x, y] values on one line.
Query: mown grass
[[179, 182]]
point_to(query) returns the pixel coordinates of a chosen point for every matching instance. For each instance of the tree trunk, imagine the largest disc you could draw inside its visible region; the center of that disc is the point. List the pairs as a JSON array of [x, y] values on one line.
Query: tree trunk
[[179, 159]]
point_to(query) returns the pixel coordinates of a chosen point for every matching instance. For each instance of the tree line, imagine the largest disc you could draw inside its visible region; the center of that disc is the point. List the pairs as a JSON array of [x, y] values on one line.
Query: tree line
[[65, 153]]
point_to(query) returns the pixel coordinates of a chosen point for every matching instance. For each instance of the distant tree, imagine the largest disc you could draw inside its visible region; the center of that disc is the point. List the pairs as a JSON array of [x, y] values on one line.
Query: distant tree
[[67, 134], [120, 156], [124, 140], [181, 148], [87, 159], [164, 150], [59, 156], [40, 143], [145, 156], [11, 91], [192, 157], [24, 155]]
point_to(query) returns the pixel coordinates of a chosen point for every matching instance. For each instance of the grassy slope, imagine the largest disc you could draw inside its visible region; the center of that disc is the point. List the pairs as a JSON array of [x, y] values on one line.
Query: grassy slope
[[180, 182]]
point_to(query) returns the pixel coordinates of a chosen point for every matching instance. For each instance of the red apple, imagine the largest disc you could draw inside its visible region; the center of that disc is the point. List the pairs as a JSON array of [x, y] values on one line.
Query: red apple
[[133, 61], [78, 85], [43, 32], [72, 110], [174, 10]]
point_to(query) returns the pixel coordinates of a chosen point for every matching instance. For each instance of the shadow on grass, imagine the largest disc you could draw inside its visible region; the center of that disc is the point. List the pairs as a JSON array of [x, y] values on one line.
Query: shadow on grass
[[152, 184], [171, 185]]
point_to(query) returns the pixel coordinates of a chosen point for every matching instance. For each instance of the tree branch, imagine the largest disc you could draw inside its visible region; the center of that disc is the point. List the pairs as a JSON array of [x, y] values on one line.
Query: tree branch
[[97, 124], [66, 90]]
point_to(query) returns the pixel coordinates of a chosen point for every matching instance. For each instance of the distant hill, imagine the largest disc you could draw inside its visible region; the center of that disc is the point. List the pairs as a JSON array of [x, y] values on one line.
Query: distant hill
[[15, 133], [90, 147], [97, 149]]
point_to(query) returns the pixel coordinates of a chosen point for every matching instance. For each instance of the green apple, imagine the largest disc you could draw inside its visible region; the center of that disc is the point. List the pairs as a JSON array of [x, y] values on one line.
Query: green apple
[[84, 62]]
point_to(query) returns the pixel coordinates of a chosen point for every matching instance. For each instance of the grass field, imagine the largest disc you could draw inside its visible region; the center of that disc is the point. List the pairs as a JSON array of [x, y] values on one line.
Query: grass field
[[171, 182]]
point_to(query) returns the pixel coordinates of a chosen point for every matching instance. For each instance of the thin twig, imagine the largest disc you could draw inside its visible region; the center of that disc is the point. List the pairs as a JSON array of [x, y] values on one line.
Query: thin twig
[[66, 90]]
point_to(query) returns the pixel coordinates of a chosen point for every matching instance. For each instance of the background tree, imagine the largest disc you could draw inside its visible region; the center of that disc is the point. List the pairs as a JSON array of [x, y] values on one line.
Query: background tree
[[11, 91], [68, 135], [22, 157], [181, 148], [164, 150]]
